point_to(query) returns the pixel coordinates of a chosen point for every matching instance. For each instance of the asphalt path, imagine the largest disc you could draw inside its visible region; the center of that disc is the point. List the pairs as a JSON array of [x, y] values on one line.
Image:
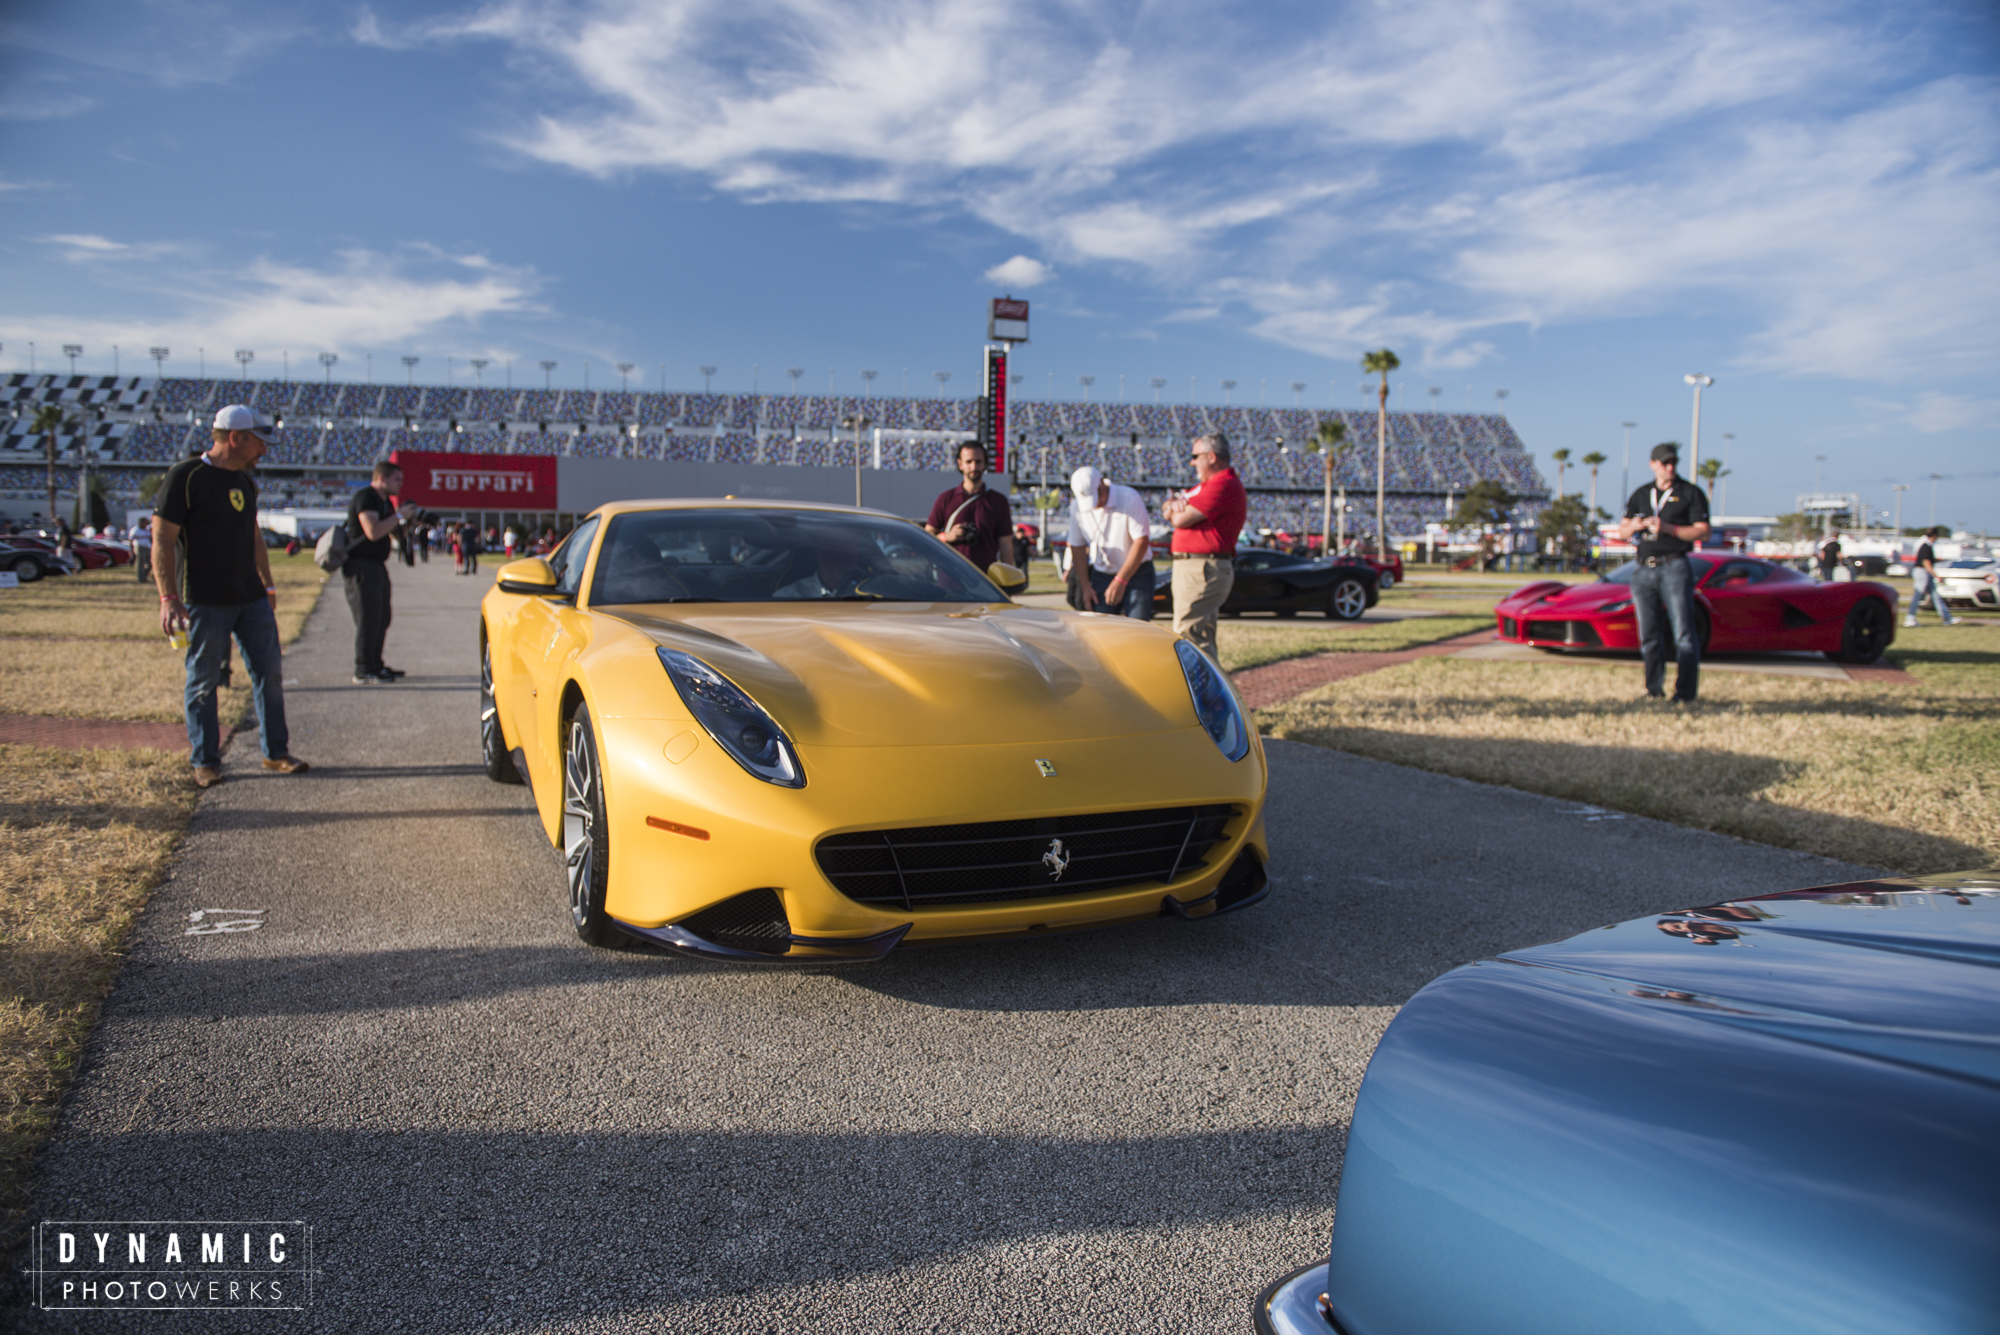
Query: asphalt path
[[490, 1126]]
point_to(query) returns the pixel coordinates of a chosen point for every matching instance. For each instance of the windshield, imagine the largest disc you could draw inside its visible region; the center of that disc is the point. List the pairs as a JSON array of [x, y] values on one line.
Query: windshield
[[779, 556], [1697, 566]]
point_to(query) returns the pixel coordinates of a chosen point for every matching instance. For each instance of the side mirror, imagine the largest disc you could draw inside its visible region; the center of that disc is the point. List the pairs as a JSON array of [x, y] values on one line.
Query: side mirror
[[533, 575], [1011, 579]]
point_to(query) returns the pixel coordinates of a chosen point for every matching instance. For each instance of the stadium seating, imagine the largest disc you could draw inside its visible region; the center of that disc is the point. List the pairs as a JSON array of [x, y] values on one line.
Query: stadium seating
[[143, 423]]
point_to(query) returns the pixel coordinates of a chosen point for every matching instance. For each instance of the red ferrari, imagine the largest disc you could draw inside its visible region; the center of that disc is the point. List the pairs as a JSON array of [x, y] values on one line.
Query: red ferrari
[[1741, 604]]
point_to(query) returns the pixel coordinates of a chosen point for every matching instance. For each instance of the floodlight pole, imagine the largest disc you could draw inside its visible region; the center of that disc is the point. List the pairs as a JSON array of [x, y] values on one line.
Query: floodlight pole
[[858, 423], [327, 359], [159, 356], [1159, 383], [244, 356], [1700, 382], [410, 369], [1899, 488], [1625, 470]]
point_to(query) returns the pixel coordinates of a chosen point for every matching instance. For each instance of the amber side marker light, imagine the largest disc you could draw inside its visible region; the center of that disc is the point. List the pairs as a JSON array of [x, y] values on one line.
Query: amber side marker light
[[675, 827]]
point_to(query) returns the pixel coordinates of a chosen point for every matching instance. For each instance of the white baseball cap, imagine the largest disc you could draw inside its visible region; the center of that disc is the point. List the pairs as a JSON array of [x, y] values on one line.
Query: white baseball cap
[[1084, 482], [236, 417]]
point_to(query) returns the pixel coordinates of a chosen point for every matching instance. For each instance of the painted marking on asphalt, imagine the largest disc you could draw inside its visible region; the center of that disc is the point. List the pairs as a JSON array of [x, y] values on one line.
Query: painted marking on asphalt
[[214, 922], [1596, 813]]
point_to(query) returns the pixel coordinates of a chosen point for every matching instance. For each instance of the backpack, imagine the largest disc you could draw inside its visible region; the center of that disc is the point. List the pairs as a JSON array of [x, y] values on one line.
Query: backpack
[[330, 552]]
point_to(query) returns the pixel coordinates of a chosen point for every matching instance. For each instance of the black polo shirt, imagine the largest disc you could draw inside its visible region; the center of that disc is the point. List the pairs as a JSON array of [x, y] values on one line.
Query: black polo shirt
[[1681, 504], [360, 547], [216, 509]]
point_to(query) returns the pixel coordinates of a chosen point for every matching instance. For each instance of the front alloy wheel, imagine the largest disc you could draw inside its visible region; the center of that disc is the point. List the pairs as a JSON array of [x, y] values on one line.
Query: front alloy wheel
[[1348, 600], [492, 740], [586, 860]]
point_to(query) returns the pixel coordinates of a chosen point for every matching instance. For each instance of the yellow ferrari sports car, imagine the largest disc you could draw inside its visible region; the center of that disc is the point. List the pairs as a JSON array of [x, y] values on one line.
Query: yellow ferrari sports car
[[797, 732]]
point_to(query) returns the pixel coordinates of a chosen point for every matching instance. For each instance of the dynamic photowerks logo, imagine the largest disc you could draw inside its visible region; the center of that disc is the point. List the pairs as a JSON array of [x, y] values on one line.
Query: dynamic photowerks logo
[[173, 1265]]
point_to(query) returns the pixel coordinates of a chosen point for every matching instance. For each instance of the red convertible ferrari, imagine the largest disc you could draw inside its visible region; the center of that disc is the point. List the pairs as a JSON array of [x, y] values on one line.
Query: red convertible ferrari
[[1742, 605]]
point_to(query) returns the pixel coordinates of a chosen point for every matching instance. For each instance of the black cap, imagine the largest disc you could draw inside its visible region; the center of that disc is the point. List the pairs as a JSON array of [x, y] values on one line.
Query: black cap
[[1668, 453]]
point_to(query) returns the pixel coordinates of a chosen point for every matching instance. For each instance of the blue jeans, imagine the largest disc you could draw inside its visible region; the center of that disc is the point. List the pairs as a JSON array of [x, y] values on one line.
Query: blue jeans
[[256, 630], [1663, 597], [1138, 602], [1922, 587]]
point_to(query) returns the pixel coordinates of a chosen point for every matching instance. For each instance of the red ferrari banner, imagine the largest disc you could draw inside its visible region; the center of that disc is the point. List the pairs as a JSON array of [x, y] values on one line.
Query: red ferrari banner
[[477, 481]]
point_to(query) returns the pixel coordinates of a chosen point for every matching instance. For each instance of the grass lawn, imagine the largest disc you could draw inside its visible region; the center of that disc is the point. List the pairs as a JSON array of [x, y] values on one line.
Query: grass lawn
[[84, 835], [89, 645], [1254, 641], [1901, 777]]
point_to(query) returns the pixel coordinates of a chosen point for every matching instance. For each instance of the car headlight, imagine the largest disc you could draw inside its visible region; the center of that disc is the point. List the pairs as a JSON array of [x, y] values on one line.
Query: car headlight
[[1622, 605], [738, 724], [1214, 702]]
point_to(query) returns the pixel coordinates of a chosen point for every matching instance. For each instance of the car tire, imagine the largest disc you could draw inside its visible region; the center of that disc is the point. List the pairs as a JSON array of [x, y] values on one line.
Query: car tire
[[27, 569], [585, 834], [1869, 627], [1347, 599], [492, 737], [1387, 581]]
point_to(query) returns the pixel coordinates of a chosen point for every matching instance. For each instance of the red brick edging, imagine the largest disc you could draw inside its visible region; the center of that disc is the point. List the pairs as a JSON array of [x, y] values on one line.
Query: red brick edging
[[1277, 682], [84, 733]]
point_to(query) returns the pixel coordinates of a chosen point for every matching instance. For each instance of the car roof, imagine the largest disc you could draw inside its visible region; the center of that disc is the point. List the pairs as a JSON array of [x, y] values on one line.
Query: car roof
[[610, 508]]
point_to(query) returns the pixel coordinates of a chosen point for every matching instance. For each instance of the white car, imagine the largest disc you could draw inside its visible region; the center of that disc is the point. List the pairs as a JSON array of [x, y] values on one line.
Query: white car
[[1974, 580]]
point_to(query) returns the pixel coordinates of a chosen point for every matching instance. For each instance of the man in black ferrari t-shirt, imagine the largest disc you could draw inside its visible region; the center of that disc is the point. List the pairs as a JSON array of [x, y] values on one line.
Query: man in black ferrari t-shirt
[[214, 577], [1669, 519]]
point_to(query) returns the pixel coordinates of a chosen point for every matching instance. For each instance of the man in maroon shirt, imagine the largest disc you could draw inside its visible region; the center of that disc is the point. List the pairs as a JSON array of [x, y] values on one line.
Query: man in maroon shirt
[[973, 517], [1206, 522]]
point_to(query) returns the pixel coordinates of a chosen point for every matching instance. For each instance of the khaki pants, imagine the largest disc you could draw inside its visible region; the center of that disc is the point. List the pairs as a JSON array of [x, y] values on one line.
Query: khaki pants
[[1200, 588]]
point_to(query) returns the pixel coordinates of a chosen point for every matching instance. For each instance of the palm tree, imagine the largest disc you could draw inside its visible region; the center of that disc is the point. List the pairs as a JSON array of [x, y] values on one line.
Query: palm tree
[[49, 421], [1594, 459], [1381, 362], [1562, 465], [1711, 471], [1331, 441]]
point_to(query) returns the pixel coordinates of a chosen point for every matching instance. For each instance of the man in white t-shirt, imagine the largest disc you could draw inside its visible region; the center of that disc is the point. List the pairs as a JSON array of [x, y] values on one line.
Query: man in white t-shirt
[[1111, 550]]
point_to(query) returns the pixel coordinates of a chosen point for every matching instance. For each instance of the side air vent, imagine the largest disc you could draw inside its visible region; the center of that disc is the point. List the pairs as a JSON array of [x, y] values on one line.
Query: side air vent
[[754, 920]]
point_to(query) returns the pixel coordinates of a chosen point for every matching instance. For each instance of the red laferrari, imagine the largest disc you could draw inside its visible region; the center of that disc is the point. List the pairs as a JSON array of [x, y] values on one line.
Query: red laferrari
[[1741, 604]]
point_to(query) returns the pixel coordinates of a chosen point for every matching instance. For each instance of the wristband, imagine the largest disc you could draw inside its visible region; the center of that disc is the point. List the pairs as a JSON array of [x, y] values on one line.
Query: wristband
[[270, 588], [170, 597]]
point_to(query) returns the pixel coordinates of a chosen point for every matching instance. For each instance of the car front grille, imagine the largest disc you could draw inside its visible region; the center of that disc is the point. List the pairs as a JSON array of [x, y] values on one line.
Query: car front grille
[[1580, 633], [1020, 859], [1507, 625]]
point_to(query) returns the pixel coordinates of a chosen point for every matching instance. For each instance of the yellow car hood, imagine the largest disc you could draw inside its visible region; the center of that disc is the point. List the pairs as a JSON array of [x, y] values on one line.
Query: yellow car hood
[[927, 674]]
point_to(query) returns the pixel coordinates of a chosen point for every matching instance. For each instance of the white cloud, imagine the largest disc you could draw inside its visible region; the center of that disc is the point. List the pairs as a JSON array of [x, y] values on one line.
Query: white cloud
[[356, 300], [89, 244], [1421, 172], [1020, 273], [1953, 412]]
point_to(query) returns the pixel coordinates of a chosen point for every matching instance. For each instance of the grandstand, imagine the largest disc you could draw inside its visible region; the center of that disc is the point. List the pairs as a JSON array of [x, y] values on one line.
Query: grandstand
[[125, 427]]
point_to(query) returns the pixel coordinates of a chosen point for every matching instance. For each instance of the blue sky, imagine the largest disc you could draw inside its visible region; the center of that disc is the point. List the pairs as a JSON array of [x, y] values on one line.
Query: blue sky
[[1576, 203]]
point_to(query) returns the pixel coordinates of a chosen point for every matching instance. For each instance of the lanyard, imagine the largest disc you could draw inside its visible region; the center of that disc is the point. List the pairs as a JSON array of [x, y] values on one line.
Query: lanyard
[[1659, 500]]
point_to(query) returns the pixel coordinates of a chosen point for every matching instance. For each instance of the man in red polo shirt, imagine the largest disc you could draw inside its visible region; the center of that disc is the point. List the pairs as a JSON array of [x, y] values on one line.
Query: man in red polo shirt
[[1206, 522], [972, 517]]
